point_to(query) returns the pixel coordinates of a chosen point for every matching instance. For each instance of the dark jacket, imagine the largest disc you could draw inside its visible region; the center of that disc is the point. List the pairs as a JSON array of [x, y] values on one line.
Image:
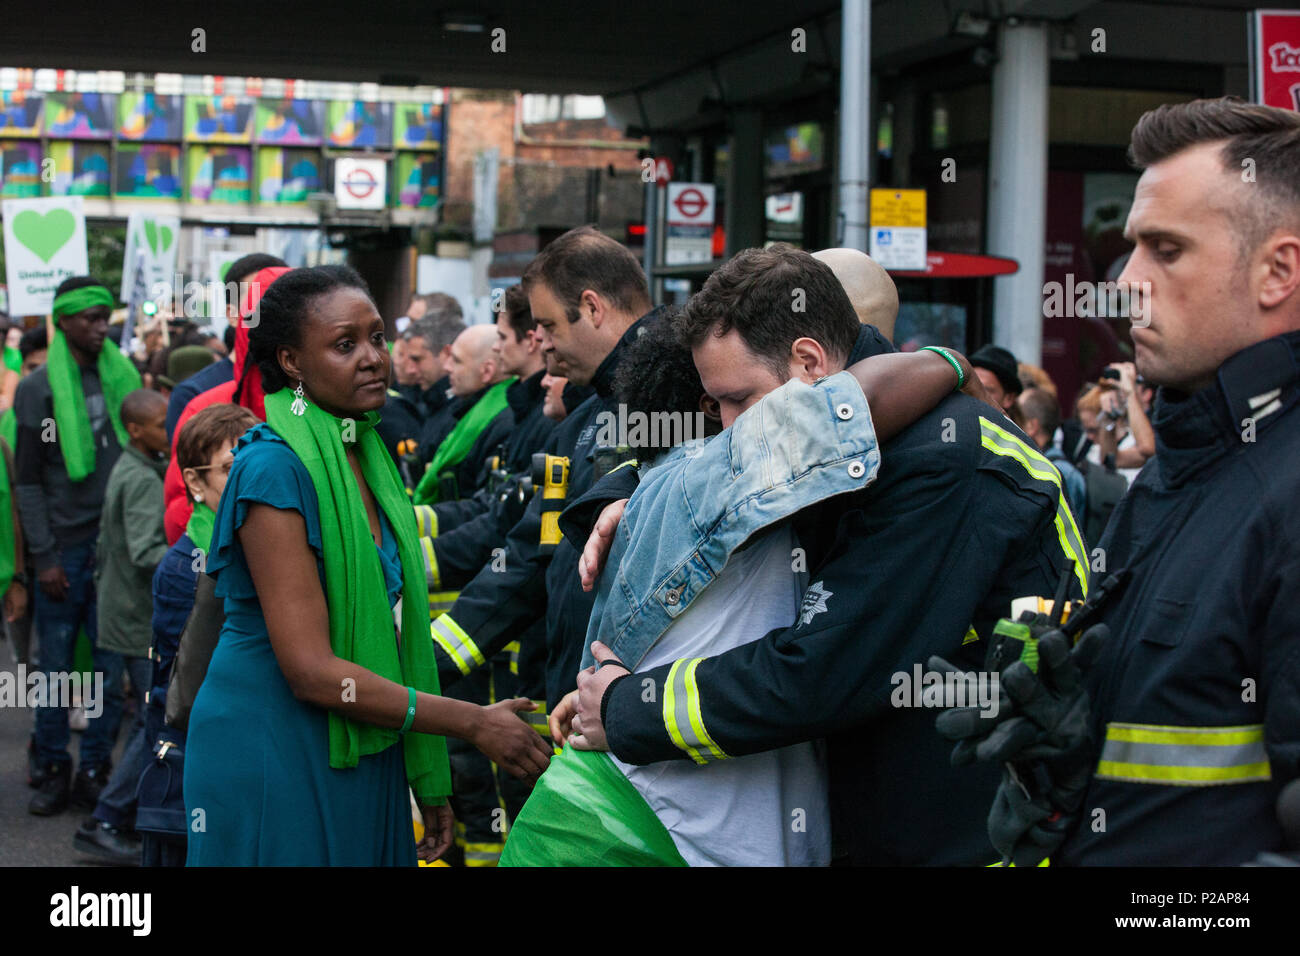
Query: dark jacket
[[461, 553], [498, 604], [218, 373], [464, 476], [406, 410], [54, 510], [949, 534], [1204, 647], [174, 584]]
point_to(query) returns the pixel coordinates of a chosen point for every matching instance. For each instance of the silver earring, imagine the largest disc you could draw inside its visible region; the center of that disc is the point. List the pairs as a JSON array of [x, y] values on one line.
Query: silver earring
[[299, 406], [198, 497]]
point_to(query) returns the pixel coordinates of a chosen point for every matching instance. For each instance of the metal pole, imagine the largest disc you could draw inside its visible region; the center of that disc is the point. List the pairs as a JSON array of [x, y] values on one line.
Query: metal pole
[[651, 234], [855, 110], [1018, 186]]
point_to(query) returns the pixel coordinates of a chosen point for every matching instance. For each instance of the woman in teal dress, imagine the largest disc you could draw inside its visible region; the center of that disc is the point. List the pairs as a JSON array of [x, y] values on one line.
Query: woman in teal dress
[[317, 712]]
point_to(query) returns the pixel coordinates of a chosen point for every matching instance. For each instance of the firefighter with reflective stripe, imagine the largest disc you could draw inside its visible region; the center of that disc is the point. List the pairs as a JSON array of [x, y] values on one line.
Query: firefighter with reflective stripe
[[589, 296], [1194, 697], [949, 535], [965, 516]]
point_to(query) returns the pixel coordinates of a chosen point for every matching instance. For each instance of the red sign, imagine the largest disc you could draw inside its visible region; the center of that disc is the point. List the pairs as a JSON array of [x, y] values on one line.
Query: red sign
[[959, 265], [361, 183], [1275, 58], [691, 203], [663, 171]]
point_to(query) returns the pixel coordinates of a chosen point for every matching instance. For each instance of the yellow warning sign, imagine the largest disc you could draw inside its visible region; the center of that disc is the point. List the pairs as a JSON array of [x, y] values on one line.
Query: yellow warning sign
[[898, 208]]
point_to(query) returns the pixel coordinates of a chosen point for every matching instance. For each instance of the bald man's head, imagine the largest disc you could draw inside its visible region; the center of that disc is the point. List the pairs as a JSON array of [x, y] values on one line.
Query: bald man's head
[[872, 292], [472, 364]]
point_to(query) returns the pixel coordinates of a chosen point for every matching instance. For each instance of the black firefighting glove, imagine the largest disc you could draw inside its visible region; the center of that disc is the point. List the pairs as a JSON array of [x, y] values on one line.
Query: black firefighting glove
[[1042, 703], [1041, 733]]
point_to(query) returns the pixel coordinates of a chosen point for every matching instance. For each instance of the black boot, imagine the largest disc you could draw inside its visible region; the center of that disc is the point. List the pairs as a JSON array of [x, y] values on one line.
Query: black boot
[[52, 797], [88, 785], [35, 770], [107, 841]]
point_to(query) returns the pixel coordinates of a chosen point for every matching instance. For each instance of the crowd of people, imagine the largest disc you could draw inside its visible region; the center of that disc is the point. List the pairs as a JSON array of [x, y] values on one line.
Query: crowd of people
[[386, 596]]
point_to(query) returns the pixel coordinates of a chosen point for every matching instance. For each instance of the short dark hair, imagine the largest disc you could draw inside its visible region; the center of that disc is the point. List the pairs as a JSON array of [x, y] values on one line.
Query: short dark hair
[[518, 313], [759, 293], [440, 305], [282, 313], [209, 430], [437, 333], [1267, 136], [657, 373], [246, 266], [139, 404], [586, 258], [228, 337], [33, 340], [1038, 403]]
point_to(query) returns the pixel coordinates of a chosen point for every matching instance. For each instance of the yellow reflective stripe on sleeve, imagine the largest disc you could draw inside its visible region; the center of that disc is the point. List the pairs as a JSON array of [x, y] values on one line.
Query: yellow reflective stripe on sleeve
[[431, 578], [458, 645], [682, 716], [1002, 442], [1047, 861], [440, 602], [537, 718], [1184, 756], [426, 521], [513, 648]]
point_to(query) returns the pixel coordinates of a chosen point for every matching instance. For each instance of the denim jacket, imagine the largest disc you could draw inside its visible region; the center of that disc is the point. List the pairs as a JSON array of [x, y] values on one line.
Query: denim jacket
[[702, 500]]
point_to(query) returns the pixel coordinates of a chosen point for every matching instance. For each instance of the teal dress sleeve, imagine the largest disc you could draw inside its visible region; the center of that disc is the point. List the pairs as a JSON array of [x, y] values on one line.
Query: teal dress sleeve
[[267, 471]]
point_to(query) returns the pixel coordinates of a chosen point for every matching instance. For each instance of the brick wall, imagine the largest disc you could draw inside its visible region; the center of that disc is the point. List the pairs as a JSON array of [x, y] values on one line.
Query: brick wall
[[539, 184]]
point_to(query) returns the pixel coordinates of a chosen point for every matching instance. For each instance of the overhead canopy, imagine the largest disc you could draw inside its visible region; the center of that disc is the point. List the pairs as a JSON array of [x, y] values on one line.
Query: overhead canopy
[[728, 48], [574, 46]]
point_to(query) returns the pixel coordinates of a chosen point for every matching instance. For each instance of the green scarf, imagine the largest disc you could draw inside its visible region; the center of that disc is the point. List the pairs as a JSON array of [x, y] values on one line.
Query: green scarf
[[13, 359], [361, 622], [117, 377], [6, 508], [9, 429], [457, 444], [199, 527]]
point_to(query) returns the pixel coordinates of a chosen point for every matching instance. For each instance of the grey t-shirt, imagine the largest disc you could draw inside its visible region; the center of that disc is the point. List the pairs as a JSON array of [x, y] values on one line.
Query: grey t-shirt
[[763, 809]]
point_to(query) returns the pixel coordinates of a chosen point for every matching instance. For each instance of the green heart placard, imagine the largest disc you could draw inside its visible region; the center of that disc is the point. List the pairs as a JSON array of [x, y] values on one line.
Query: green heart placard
[[158, 237], [44, 234]]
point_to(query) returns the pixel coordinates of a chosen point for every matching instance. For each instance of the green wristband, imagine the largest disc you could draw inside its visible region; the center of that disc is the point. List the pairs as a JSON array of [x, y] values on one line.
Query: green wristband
[[410, 711], [940, 350]]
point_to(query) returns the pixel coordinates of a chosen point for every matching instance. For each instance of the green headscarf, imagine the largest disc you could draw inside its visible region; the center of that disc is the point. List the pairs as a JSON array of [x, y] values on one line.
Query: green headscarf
[[361, 623], [460, 440], [117, 378]]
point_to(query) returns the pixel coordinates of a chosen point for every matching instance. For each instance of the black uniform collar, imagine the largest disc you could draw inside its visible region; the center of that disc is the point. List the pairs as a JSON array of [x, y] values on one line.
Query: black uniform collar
[[870, 342], [525, 394], [603, 380], [463, 405], [1249, 389]]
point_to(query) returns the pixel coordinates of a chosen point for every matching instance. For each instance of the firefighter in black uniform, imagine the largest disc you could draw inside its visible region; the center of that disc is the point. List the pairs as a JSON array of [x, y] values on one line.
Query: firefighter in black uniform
[[964, 517], [1192, 720], [588, 295]]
